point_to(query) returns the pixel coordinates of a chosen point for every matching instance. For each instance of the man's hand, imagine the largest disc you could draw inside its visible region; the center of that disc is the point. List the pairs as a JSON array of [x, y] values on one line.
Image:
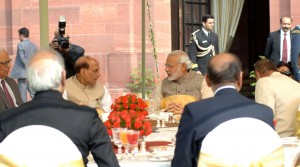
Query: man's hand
[[64, 51], [175, 108], [54, 44]]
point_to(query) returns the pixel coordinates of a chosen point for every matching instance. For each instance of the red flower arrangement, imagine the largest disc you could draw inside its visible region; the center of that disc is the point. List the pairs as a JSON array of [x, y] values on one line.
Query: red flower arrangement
[[129, 112]]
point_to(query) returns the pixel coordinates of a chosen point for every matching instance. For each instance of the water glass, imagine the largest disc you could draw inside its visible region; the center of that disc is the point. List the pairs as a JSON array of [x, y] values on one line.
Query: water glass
[[116, 138], [133, 139]]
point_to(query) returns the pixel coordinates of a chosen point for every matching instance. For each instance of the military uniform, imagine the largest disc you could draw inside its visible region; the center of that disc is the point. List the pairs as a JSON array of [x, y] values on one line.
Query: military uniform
[[201, 48]]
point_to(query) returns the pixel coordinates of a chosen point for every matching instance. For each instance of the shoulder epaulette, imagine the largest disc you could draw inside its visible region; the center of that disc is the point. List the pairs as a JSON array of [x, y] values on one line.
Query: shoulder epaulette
[[195, 31], [296, 30]]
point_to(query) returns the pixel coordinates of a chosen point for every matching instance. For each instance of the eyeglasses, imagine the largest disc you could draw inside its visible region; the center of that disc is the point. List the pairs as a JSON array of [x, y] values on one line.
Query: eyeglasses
[[6, 63], [287, 73]]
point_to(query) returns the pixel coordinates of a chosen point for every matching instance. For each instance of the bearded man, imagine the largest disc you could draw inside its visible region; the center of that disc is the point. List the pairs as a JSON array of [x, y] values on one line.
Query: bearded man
[[182, 85]]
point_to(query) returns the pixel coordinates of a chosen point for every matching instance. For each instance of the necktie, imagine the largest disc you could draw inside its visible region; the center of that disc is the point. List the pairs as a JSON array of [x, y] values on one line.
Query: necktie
[[8, 97], [284, 49]]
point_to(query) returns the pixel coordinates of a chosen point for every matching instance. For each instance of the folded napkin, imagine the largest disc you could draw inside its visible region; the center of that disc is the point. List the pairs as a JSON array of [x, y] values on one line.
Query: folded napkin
[[179, 99]]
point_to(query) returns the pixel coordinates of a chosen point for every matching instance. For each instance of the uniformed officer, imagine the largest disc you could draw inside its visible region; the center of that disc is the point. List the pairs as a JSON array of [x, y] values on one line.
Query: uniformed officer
[[203, 44]]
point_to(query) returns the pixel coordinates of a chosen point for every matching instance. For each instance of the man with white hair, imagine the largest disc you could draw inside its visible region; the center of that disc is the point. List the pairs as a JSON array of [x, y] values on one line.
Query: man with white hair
[[181, 80], [46, 76]]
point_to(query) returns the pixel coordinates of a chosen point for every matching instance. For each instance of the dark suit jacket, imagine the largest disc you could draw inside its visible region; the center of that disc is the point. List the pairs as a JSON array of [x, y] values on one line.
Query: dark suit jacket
[[203, 41], [80, 123], [71, 57], [295, 52], [14, 87], [272, 50], [199, 118]]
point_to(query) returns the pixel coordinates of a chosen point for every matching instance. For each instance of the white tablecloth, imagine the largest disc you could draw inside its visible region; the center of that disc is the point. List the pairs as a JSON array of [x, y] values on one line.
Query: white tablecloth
[[167, 134], [135, 163]]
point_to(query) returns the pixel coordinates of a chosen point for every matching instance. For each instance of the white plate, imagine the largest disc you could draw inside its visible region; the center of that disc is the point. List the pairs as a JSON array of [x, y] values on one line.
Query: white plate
[[290, 139], [159, 159], [162, 154]]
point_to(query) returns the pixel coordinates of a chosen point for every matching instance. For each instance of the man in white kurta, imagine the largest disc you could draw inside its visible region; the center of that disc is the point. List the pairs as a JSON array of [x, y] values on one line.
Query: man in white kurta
[[279, 92], [84, 88]]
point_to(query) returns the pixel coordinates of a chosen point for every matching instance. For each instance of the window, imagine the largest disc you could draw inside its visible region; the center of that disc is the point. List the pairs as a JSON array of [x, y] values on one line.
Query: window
[[186, 18]]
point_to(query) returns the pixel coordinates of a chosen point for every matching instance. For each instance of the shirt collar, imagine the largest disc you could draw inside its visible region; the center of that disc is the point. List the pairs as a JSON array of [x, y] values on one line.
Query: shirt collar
[[287, 33], [206, 32], [224, 87]]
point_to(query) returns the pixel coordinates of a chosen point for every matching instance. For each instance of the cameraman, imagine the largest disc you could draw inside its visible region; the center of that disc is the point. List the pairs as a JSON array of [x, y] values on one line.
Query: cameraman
[[70, 52]]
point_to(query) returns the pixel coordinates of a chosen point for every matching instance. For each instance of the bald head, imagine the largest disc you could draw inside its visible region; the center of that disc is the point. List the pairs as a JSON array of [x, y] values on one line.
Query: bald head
[[224, 69], [84, 62], [87, 70], [45, 71]]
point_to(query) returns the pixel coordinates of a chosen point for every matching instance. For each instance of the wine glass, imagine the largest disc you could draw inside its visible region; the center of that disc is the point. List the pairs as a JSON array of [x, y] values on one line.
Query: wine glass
[[116, 138], [133, 138], [124, 141]]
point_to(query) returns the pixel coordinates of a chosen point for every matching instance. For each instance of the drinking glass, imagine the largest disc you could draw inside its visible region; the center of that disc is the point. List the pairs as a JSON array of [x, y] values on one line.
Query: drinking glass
[[132, 138], [124, 141], [116, 138]]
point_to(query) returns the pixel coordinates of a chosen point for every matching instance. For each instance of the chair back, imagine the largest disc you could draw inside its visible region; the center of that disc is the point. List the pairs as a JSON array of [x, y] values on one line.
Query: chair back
[[242, 142], [39, 145]]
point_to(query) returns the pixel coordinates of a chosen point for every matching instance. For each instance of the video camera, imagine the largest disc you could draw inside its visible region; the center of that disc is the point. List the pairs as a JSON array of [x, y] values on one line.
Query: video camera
[[62, 41]]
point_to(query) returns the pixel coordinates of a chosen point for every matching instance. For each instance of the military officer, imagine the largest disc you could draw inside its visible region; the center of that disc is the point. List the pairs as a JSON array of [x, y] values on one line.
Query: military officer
[[203, 44]]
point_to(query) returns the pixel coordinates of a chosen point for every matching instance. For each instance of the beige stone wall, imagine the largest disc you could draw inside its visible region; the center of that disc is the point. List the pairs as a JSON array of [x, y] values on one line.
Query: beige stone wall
[[109, 30], [280, 8]]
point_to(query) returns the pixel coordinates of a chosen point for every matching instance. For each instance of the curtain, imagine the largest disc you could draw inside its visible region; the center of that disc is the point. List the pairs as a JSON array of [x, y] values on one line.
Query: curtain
[[227, 15]]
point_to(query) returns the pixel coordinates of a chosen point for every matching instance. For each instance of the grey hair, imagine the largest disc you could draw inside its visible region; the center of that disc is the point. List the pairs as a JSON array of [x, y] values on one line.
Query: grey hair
[[45, 70], [182, 58], [185, 59]]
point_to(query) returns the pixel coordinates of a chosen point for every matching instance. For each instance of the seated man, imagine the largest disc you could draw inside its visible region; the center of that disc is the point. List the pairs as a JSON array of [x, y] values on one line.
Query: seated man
[[46, 76], [279, 92], [9, 93], [83, 87], [224, 76], [182, 84]]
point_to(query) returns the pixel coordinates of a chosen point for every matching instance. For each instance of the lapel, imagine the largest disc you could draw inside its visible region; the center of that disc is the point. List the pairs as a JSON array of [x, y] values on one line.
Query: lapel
[[278, 39], [3, 98]]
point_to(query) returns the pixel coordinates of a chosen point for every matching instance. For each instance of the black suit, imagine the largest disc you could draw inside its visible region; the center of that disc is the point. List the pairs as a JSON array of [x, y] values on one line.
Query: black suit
[[203, 41], [199, 118], [4, 104], [80, 123], [272, 50]]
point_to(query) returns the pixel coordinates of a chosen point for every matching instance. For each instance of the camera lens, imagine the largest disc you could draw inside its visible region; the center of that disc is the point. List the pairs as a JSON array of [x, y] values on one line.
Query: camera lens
[[63, 42], [64, 45]]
